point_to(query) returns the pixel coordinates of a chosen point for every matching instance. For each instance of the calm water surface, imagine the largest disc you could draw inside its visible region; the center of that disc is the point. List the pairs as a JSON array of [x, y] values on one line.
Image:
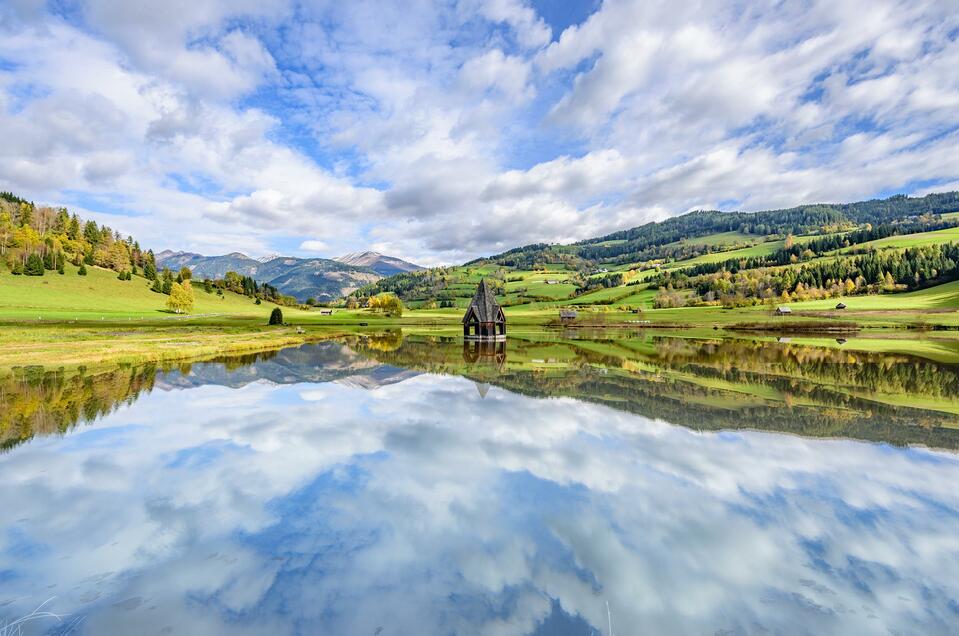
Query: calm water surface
[[402, 486]]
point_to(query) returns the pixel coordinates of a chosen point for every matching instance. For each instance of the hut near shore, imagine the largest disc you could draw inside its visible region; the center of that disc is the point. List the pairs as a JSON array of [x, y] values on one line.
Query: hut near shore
[[484, 318]]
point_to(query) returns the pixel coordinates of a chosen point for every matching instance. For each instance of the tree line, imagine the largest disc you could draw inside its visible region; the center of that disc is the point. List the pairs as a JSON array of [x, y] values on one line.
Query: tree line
[[37, 239], [867, 273]]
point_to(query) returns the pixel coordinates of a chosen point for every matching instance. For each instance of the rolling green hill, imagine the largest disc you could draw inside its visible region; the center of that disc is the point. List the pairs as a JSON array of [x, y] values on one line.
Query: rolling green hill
[[850, 250], [100, 295]]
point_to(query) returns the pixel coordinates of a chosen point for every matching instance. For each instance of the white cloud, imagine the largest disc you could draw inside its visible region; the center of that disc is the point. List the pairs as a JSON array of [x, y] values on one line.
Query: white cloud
[[405, 124], [313, 245]]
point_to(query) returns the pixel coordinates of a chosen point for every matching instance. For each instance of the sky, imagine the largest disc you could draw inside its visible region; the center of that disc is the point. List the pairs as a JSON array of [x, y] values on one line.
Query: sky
[[442, 131]]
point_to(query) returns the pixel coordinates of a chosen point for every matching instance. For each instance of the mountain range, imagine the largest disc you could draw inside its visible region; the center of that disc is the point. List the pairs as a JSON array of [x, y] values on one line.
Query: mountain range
[[303, 278]]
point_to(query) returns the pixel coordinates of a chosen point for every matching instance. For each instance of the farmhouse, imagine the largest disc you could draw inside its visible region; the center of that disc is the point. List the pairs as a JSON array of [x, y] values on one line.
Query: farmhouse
[[484, 318]]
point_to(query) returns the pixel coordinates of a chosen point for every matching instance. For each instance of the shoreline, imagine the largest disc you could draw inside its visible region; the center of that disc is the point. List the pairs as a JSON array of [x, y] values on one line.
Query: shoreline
[[74, 346]]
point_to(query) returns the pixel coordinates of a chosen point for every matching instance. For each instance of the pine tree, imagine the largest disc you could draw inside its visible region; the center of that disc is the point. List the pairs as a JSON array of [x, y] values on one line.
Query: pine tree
[[73, 230], [34, 266], [276, 316]]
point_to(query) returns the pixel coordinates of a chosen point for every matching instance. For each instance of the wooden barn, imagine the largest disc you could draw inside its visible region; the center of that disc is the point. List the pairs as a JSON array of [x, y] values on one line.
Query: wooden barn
[[484, 318]]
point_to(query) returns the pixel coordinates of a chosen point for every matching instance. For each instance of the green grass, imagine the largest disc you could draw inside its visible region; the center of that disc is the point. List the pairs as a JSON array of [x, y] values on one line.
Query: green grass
[[602, 296], [921, 239], [100, 295], [721, 238], [945, 296], [762, 249]]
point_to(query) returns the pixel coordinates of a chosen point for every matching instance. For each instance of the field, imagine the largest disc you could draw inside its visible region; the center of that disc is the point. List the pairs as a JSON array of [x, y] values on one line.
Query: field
[[720, 238], [940, 297], [99, 295], [922, 239]]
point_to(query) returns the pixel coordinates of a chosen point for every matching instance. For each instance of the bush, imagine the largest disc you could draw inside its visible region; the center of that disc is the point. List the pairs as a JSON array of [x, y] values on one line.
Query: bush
[[276, 316], [83, 270]]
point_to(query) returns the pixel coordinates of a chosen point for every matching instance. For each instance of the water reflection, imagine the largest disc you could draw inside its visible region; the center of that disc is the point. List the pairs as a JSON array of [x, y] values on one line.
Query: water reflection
[[349, 489], [700, 383]]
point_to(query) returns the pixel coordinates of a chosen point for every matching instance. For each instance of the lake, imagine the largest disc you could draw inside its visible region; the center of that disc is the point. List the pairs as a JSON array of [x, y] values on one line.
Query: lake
[[556, 485]]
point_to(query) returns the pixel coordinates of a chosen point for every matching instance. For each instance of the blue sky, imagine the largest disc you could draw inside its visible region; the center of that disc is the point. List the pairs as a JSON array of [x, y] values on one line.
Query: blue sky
[[440, 131]]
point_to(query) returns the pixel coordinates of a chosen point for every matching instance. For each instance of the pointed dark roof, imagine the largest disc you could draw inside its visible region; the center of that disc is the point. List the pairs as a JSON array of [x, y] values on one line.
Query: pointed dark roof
[[484, 304]]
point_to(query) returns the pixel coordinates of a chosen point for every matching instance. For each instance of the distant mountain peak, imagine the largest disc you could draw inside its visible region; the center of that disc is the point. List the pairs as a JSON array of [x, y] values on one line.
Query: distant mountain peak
[[269, 257], [380, 263]]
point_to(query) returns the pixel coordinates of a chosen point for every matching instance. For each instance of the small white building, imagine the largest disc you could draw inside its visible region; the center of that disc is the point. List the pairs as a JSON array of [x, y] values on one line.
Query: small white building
[[782, 311]]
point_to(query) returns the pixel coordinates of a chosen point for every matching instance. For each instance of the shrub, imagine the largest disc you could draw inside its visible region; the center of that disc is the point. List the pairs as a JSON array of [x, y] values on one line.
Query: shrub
[[83, 270], [276, 316]]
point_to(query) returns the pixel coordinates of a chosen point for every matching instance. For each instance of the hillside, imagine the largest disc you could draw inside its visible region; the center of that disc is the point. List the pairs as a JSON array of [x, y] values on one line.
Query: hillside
[[705, 259], [379, 263], [100, 295], [303, 278]]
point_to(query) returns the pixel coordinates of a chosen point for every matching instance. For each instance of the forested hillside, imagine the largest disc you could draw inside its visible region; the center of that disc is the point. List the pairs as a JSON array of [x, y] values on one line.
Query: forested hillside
[[37, 239], [719, 258], [42, 240], [658, 239]]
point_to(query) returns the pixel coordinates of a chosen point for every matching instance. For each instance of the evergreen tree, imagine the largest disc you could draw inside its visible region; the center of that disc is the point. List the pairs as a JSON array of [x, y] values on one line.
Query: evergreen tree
[[91, 233], [34, 266], [83, 270], [276, 316], [149, 269], [73, 230], [26, 214]]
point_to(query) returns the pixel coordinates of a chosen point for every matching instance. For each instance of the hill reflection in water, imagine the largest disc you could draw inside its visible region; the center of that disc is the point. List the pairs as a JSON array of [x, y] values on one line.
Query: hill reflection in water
[[706, 384], [392, 485]]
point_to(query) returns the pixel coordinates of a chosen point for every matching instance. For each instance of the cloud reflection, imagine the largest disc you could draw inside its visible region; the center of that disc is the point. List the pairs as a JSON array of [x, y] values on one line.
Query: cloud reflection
[[423, 508]]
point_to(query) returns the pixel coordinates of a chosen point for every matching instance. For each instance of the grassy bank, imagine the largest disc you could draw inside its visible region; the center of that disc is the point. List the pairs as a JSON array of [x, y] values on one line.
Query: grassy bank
[[69, 346]]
